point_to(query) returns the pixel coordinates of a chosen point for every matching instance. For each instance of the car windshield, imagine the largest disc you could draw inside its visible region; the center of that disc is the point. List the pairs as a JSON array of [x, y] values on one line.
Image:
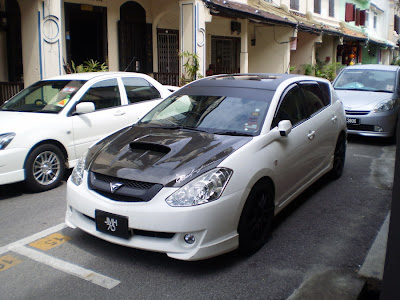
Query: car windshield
[[214, 114], [366, 80], [44, 96]]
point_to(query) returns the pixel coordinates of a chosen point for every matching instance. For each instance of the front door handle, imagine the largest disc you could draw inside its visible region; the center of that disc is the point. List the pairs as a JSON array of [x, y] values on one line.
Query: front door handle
[[119, 113], [311, 135], [334, 119]]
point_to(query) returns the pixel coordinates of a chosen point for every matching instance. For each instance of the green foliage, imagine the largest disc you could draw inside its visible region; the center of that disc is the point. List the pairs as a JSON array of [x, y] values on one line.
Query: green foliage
[[396, 61], [89, 66], [324, 70], [327, 70], [191, 66], [308, 69]]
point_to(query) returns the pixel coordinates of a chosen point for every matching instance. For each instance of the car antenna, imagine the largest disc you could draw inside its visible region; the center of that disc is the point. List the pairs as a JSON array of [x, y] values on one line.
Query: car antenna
[[133, 59]]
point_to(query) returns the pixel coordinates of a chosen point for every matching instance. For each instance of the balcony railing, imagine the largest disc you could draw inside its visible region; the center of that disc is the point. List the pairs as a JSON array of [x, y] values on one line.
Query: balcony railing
[[9, 89]]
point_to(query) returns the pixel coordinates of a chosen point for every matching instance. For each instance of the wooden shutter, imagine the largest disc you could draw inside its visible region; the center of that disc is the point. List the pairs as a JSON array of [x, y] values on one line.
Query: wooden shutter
[[350, 12]]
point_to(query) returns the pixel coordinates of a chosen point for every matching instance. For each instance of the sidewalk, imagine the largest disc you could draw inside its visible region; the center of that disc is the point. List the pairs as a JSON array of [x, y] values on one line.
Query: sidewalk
[[345, 284]]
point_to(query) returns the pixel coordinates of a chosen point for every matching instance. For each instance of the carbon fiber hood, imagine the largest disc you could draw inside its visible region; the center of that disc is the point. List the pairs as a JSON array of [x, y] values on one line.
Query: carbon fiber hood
[[171, 157]]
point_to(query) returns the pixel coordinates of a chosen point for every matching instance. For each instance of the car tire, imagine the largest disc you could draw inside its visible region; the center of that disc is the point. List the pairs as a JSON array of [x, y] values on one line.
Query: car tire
[[44, 168], [256, 219], [339, 158]]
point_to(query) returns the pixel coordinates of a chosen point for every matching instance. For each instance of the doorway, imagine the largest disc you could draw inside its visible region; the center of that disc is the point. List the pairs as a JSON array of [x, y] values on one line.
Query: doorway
[[14, 44], [135, 39], [85, 33]]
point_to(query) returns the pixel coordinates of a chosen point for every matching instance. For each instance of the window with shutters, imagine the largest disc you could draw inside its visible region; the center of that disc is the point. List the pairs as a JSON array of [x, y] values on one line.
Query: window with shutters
[[331, 8], [317, 6], [294, 4]]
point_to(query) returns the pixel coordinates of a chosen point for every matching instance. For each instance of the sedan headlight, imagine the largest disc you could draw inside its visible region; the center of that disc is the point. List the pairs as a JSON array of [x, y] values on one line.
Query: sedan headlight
[[77, 173], [205, 188], [385, 105], [5, 139]]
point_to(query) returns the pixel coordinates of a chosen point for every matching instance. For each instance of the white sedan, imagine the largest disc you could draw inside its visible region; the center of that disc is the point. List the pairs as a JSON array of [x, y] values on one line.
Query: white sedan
[[206, 170], [48, 126]]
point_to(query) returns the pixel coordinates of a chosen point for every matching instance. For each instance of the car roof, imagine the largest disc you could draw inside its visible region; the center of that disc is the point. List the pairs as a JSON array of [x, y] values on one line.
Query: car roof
[[373, 67], [266, 81], [91, 75]]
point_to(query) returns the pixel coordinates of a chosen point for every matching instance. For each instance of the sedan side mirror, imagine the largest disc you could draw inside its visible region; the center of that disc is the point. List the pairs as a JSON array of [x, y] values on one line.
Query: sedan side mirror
[[84, 108], [285, 127]]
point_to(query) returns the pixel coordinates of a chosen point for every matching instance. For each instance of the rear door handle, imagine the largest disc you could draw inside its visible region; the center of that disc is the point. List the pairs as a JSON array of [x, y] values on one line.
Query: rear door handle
[[334, 119], [311, 135]]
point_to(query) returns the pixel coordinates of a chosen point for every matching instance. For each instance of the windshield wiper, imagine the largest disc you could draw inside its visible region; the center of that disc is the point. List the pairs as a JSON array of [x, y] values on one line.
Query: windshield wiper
[[236, 133], [180, 127]]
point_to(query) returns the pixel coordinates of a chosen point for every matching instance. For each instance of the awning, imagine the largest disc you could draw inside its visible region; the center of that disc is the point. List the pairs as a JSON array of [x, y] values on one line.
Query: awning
[[269, 13]]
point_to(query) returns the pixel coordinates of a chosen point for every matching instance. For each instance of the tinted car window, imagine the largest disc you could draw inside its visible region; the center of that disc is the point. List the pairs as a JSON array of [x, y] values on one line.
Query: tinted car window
[[139, 89], [313, 96], [291, 108], [104, 94], [215, 114]]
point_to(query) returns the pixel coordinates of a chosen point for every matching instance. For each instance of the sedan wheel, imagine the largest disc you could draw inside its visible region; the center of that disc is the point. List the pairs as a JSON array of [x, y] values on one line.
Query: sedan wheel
[[339, 157], [256, 219], [44, 168]]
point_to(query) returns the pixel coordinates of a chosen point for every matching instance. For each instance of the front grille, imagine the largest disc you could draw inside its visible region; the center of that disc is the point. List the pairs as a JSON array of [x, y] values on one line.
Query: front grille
[[131, 183], [357, 112], [129, 190], [360, 127]]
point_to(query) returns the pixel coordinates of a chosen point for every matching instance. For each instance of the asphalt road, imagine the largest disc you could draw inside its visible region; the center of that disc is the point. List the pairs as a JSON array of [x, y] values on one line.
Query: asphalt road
[[330, 227]]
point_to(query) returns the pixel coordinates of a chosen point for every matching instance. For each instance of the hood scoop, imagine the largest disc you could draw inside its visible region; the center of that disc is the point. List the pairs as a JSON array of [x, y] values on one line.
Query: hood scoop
[[144, 155], [145, 147]]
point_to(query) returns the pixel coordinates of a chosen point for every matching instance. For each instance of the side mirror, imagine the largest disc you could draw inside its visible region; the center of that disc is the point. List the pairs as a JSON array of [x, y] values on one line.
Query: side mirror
[[285, 127], [84, 108]]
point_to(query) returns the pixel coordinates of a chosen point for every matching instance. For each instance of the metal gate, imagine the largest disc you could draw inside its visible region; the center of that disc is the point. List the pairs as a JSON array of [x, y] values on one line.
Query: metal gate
[[168, 58]]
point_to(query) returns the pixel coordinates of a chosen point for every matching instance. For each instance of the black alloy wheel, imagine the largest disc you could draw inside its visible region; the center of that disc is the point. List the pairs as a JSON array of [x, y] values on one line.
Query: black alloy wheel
[[339, 158], [256, 220]]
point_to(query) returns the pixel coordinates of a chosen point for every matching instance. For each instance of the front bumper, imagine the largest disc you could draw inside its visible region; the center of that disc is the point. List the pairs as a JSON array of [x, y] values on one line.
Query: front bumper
[[12, 165], [160, 227], [372, 124]]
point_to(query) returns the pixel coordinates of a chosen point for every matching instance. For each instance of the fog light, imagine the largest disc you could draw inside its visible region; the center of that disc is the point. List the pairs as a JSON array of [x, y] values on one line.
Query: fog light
[[189, 238], [378, 128]]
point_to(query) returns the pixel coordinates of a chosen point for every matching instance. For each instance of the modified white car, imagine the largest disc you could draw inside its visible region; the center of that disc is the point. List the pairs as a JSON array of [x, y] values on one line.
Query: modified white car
[[206, 170], [48, 126]]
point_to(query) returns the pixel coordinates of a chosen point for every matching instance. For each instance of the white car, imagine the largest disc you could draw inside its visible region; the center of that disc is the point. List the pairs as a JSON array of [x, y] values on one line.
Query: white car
[[206, 170], [48, 126]]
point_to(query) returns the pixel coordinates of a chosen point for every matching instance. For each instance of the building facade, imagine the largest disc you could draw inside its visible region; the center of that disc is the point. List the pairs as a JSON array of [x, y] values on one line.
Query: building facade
[[44, 38]]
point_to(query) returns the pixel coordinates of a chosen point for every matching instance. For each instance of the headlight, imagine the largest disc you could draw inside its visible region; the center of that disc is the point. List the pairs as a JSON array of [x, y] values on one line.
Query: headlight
[[5, 139], [205, 188], [77, 173], [385, 106]]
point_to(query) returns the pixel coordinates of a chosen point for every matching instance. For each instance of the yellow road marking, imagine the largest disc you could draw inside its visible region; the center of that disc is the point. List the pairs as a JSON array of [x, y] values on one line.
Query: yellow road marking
[[49, 242], [8, 261]]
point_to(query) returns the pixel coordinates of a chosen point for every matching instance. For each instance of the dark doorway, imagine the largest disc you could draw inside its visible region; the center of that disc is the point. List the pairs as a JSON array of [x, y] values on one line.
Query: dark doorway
[[14, 44], [85, 33], [135, 39], [225, 54]]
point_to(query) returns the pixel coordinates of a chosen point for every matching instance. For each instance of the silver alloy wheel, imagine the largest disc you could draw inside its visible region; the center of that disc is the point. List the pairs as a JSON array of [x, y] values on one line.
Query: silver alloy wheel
[[46, 167]]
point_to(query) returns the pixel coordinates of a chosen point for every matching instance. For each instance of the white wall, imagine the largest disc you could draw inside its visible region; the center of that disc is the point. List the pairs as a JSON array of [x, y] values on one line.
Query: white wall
[[268, 55]]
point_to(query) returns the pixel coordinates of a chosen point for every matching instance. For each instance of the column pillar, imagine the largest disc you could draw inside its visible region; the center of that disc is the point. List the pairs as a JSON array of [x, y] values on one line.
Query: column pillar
[[193, 16], [50, 41]]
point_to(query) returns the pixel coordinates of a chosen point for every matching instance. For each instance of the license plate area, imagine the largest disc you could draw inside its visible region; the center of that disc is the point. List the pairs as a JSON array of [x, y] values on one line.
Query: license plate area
[[112, 224], [353, 121]]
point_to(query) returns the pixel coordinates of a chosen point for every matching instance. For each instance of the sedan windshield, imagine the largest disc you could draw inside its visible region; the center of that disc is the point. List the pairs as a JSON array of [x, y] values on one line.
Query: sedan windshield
[[366, 80], [44, 96], [214, 114]]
